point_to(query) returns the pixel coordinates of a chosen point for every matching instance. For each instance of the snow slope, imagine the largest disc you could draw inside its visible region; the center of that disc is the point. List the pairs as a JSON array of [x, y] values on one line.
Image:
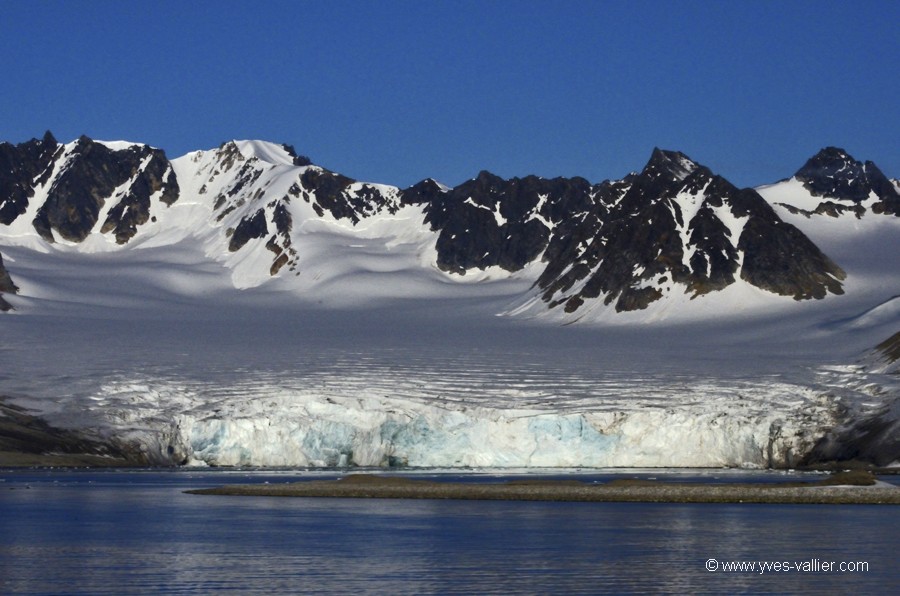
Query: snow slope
[[866, 247]]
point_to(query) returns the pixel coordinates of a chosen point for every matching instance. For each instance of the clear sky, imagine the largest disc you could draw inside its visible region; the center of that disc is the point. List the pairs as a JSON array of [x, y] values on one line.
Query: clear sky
[[397, 91]]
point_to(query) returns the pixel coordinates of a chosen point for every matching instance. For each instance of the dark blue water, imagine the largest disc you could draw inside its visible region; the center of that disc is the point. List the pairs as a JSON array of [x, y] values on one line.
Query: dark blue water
[[136, 532]]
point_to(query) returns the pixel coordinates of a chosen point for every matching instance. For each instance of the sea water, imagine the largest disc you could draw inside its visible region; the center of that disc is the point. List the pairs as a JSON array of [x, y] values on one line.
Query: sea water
[[115, 532]]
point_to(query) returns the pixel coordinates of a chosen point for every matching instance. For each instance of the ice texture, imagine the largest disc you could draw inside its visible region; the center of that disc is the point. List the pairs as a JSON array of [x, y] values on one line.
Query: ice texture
[[391, 387]]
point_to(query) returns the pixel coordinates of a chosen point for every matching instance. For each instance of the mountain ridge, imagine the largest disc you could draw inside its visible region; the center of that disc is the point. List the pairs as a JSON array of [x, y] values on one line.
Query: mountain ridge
[[675, 227]]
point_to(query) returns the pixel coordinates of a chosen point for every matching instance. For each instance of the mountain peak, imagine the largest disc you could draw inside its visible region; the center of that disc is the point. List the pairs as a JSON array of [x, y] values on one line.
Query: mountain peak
[[828, 163], [672, 163], [828, 154], [833, 173], [271, 153], [487, 177]]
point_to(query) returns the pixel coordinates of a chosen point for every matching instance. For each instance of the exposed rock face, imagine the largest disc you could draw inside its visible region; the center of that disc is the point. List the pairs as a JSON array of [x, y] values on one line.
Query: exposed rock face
[[28, 440], [674, 225], [488, 221], [250, 227], [873, 438], [77, 181], [299, 160], [327, 192], [342, 197], [94, 174], [6, 283], [833, 174], [250, 213], [678, 227], [890, 348], [781, 259], [7, 286], [21, 167]]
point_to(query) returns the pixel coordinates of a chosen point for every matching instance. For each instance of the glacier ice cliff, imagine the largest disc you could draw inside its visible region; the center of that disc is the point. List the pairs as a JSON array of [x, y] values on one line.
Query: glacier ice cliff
[[337, 422]]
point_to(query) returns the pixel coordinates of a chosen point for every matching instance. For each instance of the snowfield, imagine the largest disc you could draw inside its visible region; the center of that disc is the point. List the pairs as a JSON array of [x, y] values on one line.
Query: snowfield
[[366, 354]]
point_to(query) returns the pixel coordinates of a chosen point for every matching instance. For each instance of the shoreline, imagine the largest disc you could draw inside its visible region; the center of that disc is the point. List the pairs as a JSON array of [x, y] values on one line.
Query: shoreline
[[28, 441], [842, 488]]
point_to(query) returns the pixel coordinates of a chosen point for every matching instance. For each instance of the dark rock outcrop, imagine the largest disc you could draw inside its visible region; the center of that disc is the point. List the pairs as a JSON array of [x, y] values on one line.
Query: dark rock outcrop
[[327, 192], [22, 167], [674, 223], [92, 173], [873, 438], [299, 160], [627, 242], [6, 286], [889, 349], [489, 221], [781, 259], [28, 440], [250, 227], [6, 283], [833, 174]]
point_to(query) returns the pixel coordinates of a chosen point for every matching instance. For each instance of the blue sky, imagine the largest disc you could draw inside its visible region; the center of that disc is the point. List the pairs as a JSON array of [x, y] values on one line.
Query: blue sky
[[397, 91]]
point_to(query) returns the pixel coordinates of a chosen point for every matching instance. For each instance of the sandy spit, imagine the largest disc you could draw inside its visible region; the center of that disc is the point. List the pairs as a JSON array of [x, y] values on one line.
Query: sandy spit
[[364, 486]]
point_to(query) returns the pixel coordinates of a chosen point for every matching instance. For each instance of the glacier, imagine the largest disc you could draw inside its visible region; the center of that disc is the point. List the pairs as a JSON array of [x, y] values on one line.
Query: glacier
[[277, 426], [366, 354], [253, 381]]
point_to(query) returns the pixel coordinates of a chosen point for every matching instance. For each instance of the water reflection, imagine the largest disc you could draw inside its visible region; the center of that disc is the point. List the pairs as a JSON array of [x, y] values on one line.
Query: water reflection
[[135, 533]]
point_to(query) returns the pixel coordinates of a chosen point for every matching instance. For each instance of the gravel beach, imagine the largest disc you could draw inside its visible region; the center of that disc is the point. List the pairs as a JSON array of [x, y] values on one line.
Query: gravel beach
[[830, 491]]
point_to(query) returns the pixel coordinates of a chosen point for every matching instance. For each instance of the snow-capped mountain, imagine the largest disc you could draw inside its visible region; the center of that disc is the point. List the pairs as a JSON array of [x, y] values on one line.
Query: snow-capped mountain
[[677, 227], [856, 186], [69, 192], [834, 184], [671, 231], [243, 306]]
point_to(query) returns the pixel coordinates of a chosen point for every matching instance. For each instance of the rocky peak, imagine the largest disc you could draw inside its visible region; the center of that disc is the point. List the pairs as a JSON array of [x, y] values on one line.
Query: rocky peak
[[489, 221], [662, 177], [422, 192], [673, 165], [21, 167], [486, 181], [679, 227], [832, 173], [96, 173], [227, 154]]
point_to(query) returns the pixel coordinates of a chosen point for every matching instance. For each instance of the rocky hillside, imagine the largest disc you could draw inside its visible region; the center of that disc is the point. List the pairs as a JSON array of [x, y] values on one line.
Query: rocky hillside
[[82, 186], [676, 226], [6, 285]]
